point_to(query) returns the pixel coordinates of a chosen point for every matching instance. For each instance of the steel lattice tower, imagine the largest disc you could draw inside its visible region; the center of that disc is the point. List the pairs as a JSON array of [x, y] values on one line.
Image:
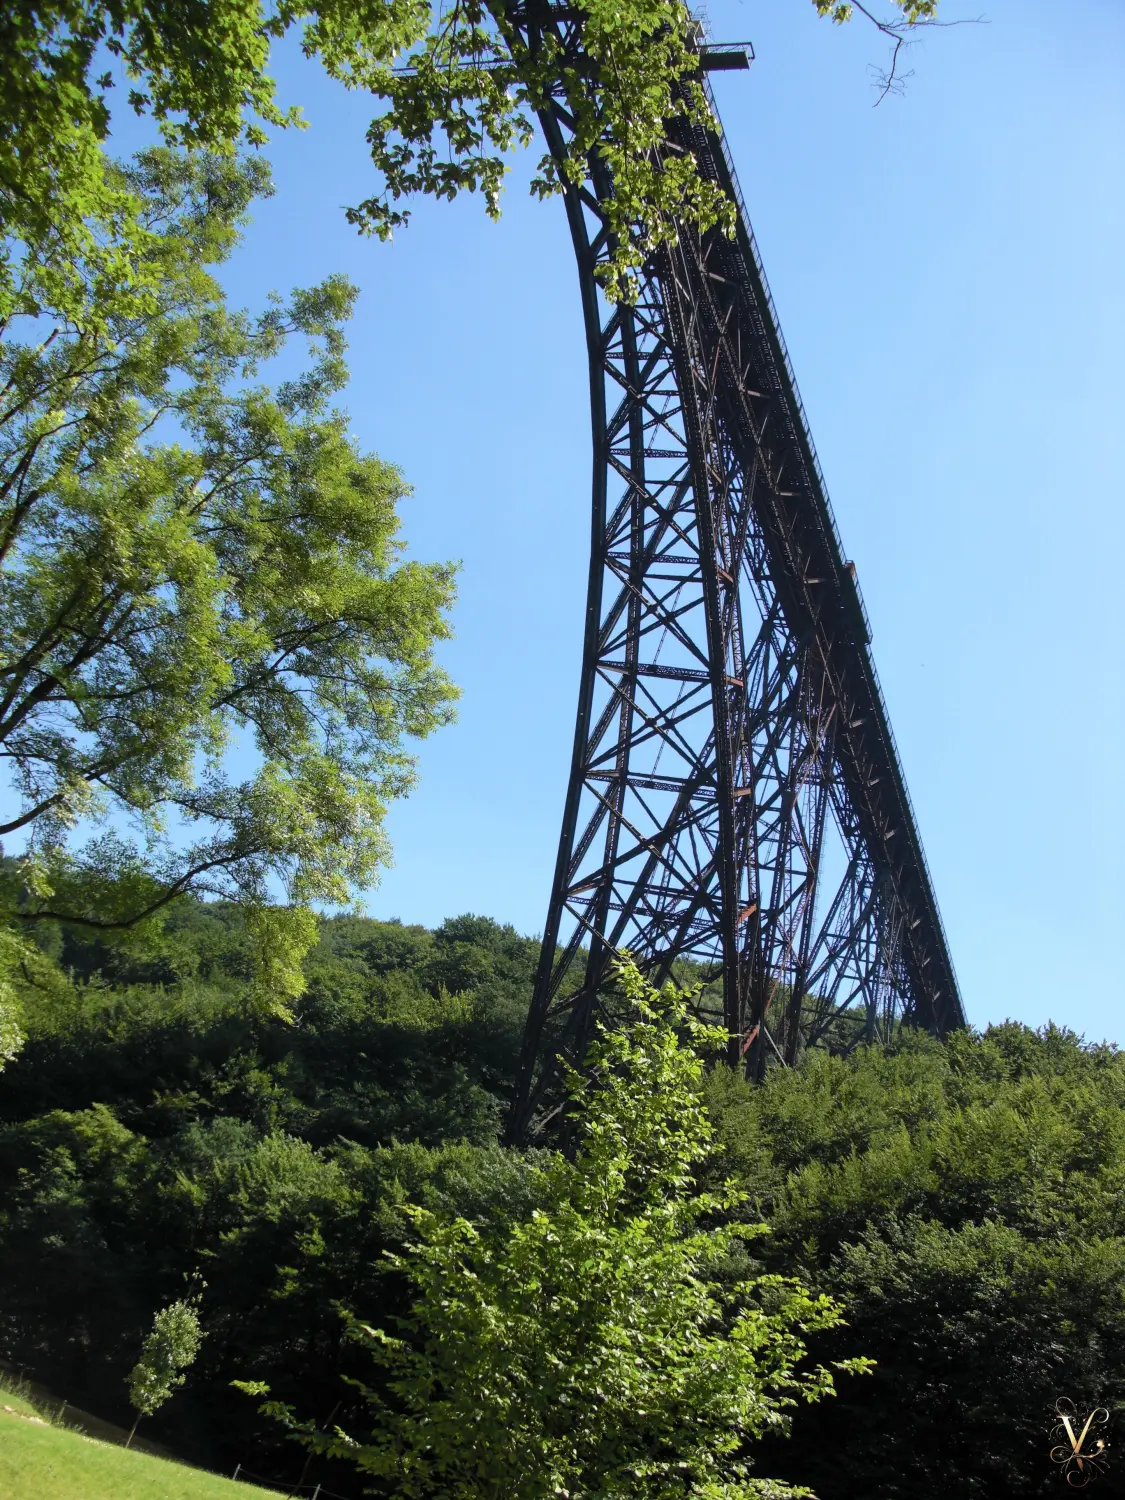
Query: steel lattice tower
[[735, 792]]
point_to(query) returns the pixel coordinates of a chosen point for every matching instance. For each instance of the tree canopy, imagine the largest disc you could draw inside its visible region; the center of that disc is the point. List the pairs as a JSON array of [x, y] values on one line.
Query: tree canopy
[[456, 85], [211, 648], [962, 1201], [592, 1346]]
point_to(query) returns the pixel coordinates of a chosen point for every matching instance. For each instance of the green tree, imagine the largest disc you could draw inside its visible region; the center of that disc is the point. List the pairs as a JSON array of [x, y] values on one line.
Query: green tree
[[599, 1344], [168, 1351], [446, 124], [11, 1031], [211, 649], [964, 1202], [962, 1199], [11, 1037]]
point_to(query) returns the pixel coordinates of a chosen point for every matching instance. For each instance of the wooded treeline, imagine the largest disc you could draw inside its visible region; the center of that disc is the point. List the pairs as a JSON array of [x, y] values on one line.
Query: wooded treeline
[[962, 1200]]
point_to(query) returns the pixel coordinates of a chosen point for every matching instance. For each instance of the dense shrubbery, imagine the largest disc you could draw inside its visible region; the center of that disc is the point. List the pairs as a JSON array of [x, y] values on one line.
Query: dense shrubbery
[[963, 1201], [156, 1125], [593, 1342]]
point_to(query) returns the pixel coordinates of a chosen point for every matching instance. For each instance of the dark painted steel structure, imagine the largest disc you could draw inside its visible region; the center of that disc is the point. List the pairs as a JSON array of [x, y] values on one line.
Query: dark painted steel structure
[[735, 793]]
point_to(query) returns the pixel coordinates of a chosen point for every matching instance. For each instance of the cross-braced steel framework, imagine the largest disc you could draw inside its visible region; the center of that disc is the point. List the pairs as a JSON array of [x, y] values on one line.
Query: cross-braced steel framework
[[735, 794]]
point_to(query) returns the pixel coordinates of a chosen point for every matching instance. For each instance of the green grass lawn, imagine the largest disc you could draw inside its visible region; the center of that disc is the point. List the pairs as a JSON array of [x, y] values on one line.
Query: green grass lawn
[[42, 1462]]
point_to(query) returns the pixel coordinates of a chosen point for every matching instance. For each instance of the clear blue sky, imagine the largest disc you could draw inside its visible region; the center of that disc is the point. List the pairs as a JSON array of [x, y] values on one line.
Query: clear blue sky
[[948, 270]]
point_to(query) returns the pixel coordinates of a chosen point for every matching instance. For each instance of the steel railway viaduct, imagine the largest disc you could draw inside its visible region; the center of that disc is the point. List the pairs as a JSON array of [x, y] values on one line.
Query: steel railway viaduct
[[735, 797]]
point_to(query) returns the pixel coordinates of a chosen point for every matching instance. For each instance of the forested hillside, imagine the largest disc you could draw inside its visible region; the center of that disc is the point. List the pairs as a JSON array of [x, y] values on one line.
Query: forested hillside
[[156, 1126], [963, 1201]]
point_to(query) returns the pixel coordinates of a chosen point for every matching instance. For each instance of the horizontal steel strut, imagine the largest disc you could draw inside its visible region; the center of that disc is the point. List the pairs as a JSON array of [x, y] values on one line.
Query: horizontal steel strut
[[735, 793]]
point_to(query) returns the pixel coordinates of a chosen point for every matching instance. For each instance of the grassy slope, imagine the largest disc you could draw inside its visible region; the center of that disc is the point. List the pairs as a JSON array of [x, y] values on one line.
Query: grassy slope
[[40, 1462]]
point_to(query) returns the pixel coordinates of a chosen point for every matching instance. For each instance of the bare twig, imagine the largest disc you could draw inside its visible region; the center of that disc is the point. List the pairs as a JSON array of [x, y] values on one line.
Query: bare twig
[[901, 34]]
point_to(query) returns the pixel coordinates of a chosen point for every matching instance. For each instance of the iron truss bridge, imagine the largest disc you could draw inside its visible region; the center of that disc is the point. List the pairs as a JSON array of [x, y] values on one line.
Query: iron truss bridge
[[735, 797]]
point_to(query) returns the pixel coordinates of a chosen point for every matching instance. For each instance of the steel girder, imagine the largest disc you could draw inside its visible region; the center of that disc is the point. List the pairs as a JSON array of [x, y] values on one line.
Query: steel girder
[[735, 794]]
